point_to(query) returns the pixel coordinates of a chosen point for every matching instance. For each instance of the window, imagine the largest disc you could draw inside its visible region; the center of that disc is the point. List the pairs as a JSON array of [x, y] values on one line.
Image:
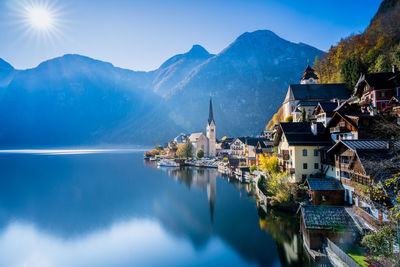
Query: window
[[305, 166], [315, 152], [383, 94], [316, 166], [304, 152]]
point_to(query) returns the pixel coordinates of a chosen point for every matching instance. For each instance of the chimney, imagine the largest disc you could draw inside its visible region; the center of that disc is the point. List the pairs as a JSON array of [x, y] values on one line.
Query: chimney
[[394, 69], [314, 128]]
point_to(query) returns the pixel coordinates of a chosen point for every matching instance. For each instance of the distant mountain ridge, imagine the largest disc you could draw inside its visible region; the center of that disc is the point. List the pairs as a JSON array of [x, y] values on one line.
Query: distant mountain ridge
[[76, 100]]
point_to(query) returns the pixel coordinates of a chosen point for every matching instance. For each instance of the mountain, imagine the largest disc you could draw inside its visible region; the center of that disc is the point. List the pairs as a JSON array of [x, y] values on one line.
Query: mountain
[[374, 50], [177, 68], [76, 100], [248, 81], [6, 73]]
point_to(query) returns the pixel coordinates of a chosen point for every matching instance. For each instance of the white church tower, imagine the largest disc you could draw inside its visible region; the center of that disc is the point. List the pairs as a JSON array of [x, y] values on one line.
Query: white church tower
[[211, 135], [309, 76]]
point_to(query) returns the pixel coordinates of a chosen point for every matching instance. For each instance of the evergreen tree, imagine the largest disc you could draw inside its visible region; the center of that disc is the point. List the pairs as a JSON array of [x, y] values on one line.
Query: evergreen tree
[[200, 153], [303, 115], [351, 70]]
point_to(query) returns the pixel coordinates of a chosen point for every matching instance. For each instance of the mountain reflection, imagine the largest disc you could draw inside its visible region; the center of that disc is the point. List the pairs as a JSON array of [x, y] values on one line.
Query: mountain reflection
[[71, 198]]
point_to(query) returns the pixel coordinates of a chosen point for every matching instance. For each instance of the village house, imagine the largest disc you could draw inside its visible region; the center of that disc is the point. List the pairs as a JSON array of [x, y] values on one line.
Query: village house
[[350, 126], [181, 138], [375, 90], [265, 148], [362, 165], [298, 146], [320, 222], [251, 149], [309, 93], [325, 191], [324, 111], [238, 148]]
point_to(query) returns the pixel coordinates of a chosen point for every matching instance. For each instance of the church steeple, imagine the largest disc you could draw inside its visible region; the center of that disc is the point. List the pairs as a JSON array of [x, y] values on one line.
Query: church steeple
[[211, 135], [309, 76], [211, 114]]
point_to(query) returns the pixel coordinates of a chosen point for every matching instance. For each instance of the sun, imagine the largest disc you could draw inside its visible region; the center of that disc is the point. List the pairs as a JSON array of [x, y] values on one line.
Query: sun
[[40, 18]]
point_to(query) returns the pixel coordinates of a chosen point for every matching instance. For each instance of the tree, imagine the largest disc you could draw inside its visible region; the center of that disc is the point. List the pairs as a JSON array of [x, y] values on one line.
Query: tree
[[303, 115], [380, 244], [253, 168], [289, 118], [268, 164], [382, 63], [185, 151], [351, 70], [200, 153]]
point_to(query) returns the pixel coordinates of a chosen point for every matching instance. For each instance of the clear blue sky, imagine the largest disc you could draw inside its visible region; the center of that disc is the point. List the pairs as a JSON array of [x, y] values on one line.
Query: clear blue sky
[[140, 35]]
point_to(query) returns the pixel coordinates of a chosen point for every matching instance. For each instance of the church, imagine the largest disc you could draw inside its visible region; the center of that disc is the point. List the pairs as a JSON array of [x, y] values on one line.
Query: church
[[206, 142], [309, 93]]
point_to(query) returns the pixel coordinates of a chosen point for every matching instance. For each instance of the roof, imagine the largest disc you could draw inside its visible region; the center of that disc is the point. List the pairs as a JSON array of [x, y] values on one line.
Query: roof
[[380, 80], [211, 113], [307, 103], [299, 134], [363, 144], [194, 136], [327, 218], [320, 91], [328, 106], [322, 184], [253, 141], [309, 73]]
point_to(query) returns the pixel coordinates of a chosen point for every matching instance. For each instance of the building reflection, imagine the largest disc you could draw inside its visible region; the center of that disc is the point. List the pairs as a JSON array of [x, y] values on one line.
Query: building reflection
[[201, 179]]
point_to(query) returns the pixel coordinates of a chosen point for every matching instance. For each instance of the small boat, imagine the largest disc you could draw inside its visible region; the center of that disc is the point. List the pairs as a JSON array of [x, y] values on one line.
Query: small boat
[[167, 163], [153, 159]]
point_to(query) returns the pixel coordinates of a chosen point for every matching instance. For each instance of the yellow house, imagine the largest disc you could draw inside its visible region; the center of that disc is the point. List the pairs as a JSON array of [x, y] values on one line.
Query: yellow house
[[298, 145]]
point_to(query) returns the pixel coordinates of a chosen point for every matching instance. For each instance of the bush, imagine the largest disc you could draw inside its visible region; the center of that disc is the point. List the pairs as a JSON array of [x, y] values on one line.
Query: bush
[[253, 168], [200, 153], [289, 118]]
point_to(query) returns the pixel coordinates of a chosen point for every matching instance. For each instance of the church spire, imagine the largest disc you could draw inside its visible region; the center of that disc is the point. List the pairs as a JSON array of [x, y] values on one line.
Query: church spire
[[211, 114]]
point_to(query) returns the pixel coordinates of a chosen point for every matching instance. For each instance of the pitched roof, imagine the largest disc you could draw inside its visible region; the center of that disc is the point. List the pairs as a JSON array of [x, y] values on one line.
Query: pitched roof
[[195, 136], [320, 91], [379, 80], [211, 113], [324, 184], [307, 103], [327, 218], [328, 106], [299, 134], [309, 73]]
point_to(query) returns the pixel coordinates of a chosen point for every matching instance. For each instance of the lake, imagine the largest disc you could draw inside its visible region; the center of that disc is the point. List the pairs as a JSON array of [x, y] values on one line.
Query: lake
[[111, 208]]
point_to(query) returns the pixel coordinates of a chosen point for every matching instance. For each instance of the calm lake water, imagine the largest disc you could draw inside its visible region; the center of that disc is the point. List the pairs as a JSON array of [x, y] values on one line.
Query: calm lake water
[[113, 209]]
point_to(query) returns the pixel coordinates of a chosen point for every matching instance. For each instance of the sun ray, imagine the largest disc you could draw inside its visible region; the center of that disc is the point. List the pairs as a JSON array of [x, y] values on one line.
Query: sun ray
[[39, 20]]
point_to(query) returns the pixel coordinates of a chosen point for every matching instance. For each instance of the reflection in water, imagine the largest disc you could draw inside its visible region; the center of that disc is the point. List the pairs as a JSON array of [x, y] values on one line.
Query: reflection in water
[[114, 210]]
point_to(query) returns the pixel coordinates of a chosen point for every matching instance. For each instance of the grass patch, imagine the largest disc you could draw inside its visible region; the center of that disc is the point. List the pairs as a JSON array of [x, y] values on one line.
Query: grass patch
[[357, 254]]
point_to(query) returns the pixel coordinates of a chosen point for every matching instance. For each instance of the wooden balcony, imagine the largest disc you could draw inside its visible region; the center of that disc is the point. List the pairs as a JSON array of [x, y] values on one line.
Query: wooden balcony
[[283, 155], [337, 129]]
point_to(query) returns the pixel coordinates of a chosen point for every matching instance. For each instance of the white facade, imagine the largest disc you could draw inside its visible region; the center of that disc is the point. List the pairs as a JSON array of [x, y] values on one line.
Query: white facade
[[212, 142], [199, 141]]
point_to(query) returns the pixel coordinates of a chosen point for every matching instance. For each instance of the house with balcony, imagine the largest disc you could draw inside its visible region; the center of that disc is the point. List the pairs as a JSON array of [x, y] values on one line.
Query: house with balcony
[[350, 126], [238, 148], [298, 145], [324, 111], [376, 89], [362, 165]]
